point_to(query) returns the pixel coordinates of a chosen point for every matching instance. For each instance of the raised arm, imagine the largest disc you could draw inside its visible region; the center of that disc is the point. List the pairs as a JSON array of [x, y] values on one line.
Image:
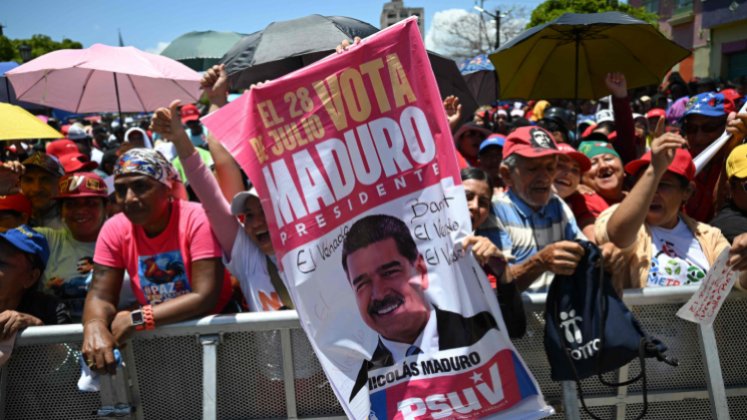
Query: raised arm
[[625, 143], [215, 85], [628, 218], [223, 223]]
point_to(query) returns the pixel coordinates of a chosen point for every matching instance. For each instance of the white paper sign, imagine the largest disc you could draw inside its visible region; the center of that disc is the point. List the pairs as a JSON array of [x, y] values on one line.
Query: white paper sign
[[704, 304]]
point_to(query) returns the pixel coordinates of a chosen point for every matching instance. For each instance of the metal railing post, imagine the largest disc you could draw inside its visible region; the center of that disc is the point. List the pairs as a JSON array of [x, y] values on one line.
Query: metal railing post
[[288, 374], [714, 377], [210, 375], [570, 401]]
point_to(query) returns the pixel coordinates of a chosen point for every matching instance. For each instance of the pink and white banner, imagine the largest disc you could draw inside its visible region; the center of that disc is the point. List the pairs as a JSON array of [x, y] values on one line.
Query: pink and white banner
[[353, 159]]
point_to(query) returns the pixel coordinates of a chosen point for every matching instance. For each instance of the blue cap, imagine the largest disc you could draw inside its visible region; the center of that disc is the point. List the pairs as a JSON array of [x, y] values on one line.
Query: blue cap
[[710, 104], [492, 140], [29, 241]]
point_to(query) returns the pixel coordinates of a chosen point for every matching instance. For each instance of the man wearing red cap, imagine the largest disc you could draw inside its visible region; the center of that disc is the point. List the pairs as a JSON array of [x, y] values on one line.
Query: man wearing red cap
[[83, 198], [537, 226]]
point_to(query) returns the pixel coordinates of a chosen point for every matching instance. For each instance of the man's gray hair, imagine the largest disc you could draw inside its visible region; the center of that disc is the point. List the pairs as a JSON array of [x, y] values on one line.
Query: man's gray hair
[[512, 161]]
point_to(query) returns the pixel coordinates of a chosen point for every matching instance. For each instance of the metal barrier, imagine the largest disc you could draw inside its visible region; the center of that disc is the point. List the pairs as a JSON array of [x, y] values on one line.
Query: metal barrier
[[260, 365]]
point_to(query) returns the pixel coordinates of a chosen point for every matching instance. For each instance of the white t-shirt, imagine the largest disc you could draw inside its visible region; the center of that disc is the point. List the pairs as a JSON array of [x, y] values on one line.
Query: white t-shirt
[[677, 258], [249, 265]]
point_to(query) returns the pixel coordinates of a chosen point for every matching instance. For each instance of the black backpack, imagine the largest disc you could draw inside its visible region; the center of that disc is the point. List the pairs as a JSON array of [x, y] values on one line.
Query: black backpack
[[589, 330]]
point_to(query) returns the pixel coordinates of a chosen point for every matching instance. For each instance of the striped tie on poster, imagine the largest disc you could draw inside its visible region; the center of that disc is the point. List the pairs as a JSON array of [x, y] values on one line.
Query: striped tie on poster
[[354, 162]]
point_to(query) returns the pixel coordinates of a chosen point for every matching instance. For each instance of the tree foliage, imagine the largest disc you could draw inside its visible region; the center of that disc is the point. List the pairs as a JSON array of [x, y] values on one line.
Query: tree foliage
[[40, 45], [553, 9]]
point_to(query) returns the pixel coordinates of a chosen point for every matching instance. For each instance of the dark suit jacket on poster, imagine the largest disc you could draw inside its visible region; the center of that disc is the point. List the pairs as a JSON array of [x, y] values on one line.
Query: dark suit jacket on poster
[[454, 331]]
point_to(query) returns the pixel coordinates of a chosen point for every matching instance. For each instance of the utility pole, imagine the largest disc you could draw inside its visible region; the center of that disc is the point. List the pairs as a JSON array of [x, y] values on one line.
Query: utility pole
[[497, 28], [497, 17]]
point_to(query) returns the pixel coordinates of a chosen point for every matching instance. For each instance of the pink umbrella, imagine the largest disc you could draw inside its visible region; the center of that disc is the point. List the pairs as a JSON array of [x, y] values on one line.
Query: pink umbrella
[[104, 79]]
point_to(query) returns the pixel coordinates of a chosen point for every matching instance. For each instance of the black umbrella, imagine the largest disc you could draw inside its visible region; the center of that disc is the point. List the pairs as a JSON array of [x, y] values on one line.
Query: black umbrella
[[288, 45], [481, 78], [451, 82], [570, 56]]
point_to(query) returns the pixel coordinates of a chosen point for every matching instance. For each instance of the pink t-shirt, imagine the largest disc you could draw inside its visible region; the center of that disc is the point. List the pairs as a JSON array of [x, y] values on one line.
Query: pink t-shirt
[[161, 267]]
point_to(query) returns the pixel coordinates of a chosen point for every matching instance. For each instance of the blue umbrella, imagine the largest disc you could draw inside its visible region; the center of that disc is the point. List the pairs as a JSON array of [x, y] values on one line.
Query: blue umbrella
[[5, 88], [7, 94], [477, 63]]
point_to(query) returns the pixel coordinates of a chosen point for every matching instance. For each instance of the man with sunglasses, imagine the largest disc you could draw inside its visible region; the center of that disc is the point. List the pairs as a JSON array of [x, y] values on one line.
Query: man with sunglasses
[[704, 121], [732, 219]]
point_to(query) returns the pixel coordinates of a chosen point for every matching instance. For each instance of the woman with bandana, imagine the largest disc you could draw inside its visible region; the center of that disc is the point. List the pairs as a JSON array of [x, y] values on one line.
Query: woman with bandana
[[166, 246]]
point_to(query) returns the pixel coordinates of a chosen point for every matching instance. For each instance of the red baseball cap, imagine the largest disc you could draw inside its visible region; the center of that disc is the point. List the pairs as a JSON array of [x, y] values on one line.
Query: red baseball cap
[[530, 142], [82, 184], [74, 162], [59, 148], [568, 150], [15, 202], [681, 165], [190, 113], [656, 113]]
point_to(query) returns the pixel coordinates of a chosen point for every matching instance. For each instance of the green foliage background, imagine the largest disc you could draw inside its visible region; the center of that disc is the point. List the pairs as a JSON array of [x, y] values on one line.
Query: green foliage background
[[553, 9], [40, 45]]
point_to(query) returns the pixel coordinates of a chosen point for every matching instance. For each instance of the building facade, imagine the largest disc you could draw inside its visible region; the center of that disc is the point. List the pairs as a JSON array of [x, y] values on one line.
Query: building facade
[[714, 30], [395, 11]]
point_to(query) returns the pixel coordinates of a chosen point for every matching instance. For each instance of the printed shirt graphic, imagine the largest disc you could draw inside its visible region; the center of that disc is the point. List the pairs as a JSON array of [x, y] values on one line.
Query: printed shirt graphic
[[162, 276], [156, 261], [677, 258], [70, 264], [249, 265]]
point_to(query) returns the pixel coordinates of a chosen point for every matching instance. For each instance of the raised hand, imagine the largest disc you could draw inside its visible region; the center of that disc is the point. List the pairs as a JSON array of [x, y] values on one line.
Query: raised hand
[[166, 121], [736, 124], [215, 84], [453, 111], [617, 84], [663, 149], [345, 44]]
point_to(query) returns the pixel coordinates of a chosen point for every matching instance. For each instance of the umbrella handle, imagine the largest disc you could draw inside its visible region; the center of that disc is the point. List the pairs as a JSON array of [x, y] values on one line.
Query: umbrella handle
[[706, 155]]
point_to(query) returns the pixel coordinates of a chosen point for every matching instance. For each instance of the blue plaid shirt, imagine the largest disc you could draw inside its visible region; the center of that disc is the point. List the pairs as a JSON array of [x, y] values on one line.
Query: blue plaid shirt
[[524, 231]]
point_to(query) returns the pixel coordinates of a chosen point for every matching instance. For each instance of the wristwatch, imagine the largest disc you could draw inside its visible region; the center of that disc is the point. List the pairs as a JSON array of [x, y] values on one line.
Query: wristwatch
[[142, 319]]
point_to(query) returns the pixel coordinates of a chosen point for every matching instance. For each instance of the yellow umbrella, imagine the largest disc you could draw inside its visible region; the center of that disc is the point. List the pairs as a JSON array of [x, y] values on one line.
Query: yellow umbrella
[[17, 124]]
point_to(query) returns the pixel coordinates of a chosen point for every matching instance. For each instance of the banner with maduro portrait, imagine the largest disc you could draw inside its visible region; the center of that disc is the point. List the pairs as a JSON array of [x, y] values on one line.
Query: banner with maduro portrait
[[354, 163]]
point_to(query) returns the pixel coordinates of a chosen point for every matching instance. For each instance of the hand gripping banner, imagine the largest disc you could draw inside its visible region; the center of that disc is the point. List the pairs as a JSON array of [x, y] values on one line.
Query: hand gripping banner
[[354, 163]]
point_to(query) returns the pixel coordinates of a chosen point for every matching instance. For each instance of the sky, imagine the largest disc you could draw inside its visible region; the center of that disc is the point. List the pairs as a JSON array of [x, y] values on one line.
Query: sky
[[150, 25]]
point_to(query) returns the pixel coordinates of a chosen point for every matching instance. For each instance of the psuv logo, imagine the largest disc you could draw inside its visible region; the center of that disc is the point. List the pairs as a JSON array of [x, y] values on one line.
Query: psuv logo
[[472, 397]]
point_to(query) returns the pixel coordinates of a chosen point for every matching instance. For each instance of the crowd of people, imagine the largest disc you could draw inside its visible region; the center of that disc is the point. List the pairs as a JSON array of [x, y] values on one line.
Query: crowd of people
[[127, 225]]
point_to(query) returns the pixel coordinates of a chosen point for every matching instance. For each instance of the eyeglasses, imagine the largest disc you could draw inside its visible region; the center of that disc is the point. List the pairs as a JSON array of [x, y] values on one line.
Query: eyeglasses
[[706, 128]]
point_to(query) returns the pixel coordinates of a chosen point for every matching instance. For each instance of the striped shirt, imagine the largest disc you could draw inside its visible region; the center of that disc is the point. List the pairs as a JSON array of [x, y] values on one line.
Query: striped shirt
[[525, 231]]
